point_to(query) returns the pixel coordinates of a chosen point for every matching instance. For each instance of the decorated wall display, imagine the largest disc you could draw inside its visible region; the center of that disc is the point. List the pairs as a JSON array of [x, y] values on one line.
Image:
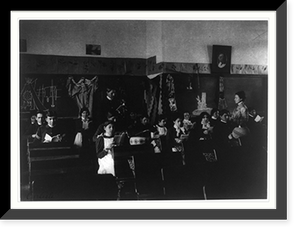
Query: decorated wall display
[[160, 96], [50, 64], [248, 69], [45, 83], [67, 94], [83, 92], [222, 104], [46, 92]]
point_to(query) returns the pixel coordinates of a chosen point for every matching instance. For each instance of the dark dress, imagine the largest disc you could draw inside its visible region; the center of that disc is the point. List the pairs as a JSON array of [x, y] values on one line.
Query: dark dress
[[86, 128], [32, 129], [221, 140], [87, 152]]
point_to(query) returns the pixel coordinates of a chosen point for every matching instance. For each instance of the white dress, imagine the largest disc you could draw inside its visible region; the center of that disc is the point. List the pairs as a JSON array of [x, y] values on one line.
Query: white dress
[[106, 164]]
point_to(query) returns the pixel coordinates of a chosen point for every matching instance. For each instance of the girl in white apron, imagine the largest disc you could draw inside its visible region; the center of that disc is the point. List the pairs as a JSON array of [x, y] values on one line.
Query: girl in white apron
[[104, 144]]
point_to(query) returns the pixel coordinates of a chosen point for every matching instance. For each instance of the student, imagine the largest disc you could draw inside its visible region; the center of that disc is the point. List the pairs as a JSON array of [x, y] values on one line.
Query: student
[[133, 121], [177, 133], [220, 134], [258, 130], [109, 117], [161, 127], [104, 144], [36, 121], [215, 117], [83, 138], [204, 126], [143, 128], [84, 126], [254, 118], [187, 123], [51, 132], [161, 134], [203, 136], [178, 136]]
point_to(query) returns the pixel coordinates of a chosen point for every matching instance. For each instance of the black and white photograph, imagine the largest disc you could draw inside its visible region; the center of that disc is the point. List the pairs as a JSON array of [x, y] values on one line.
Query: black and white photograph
[[133, 111]]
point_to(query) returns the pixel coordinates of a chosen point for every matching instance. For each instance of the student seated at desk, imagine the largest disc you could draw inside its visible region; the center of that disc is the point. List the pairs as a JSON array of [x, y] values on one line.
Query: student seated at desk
[[187, 123], [214, 117], [143, 128], [84, 127], [161, 136], [51, 132], [178, 136], [104, 144], [36, 121], [220, 135]]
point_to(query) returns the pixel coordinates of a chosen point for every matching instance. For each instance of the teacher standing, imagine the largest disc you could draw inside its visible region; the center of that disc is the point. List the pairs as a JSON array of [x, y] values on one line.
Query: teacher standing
[[240, 114]]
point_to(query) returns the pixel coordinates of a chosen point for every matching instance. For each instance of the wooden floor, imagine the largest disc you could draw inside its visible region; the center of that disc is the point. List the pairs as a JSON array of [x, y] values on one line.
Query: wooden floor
[[241, 175]]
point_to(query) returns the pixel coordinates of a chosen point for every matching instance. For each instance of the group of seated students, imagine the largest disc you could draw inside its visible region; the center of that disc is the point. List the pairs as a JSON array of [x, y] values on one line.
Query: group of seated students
[[205, 137]]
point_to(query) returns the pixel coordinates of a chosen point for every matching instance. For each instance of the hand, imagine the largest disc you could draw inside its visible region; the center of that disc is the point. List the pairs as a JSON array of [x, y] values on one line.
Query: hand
[[210, 128], [109, 148], [178, 140], [57, 138], [230, 136]]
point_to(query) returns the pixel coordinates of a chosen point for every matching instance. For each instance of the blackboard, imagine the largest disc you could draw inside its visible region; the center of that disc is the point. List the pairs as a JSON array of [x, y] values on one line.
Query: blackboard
[[50, 91], [255, 88], [41, 91]]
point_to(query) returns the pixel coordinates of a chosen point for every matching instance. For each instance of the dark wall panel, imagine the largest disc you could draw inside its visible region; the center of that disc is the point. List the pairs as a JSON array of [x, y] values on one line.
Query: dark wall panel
[[255, 88]]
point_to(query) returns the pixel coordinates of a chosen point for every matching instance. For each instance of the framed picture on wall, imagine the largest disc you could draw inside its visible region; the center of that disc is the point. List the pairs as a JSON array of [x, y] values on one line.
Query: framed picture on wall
[[221, 59]]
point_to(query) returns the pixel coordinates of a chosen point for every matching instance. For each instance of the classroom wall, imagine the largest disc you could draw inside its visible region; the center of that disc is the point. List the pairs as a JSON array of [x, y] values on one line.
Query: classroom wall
[[169, 41], [69, 37], [192, 41]]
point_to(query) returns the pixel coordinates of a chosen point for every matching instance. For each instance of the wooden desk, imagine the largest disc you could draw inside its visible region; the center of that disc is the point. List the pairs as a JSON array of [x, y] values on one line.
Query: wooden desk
[[146, 172], [49, 158]]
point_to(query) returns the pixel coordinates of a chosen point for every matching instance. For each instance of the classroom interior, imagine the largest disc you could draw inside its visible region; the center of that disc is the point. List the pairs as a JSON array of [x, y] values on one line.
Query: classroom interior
[[157, 67]]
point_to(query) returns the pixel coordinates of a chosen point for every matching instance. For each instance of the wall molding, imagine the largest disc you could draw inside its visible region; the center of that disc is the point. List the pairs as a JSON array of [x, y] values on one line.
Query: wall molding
[[54, 64]]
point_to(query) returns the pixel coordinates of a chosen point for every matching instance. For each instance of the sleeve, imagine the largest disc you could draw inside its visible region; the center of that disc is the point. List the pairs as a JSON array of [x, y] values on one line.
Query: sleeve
[[29, 132], [39, 134], [100, 152], [235, 114], [98, 131], [90, 130], [244, 114], [171, 137], [78, 126]]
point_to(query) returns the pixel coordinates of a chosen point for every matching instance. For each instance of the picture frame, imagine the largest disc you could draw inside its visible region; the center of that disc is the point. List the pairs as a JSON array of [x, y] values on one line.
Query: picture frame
[[221, 59], [92, 49]]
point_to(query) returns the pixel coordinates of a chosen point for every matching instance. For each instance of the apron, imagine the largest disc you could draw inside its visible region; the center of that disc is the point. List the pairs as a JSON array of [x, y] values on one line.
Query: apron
[[106, 164]]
